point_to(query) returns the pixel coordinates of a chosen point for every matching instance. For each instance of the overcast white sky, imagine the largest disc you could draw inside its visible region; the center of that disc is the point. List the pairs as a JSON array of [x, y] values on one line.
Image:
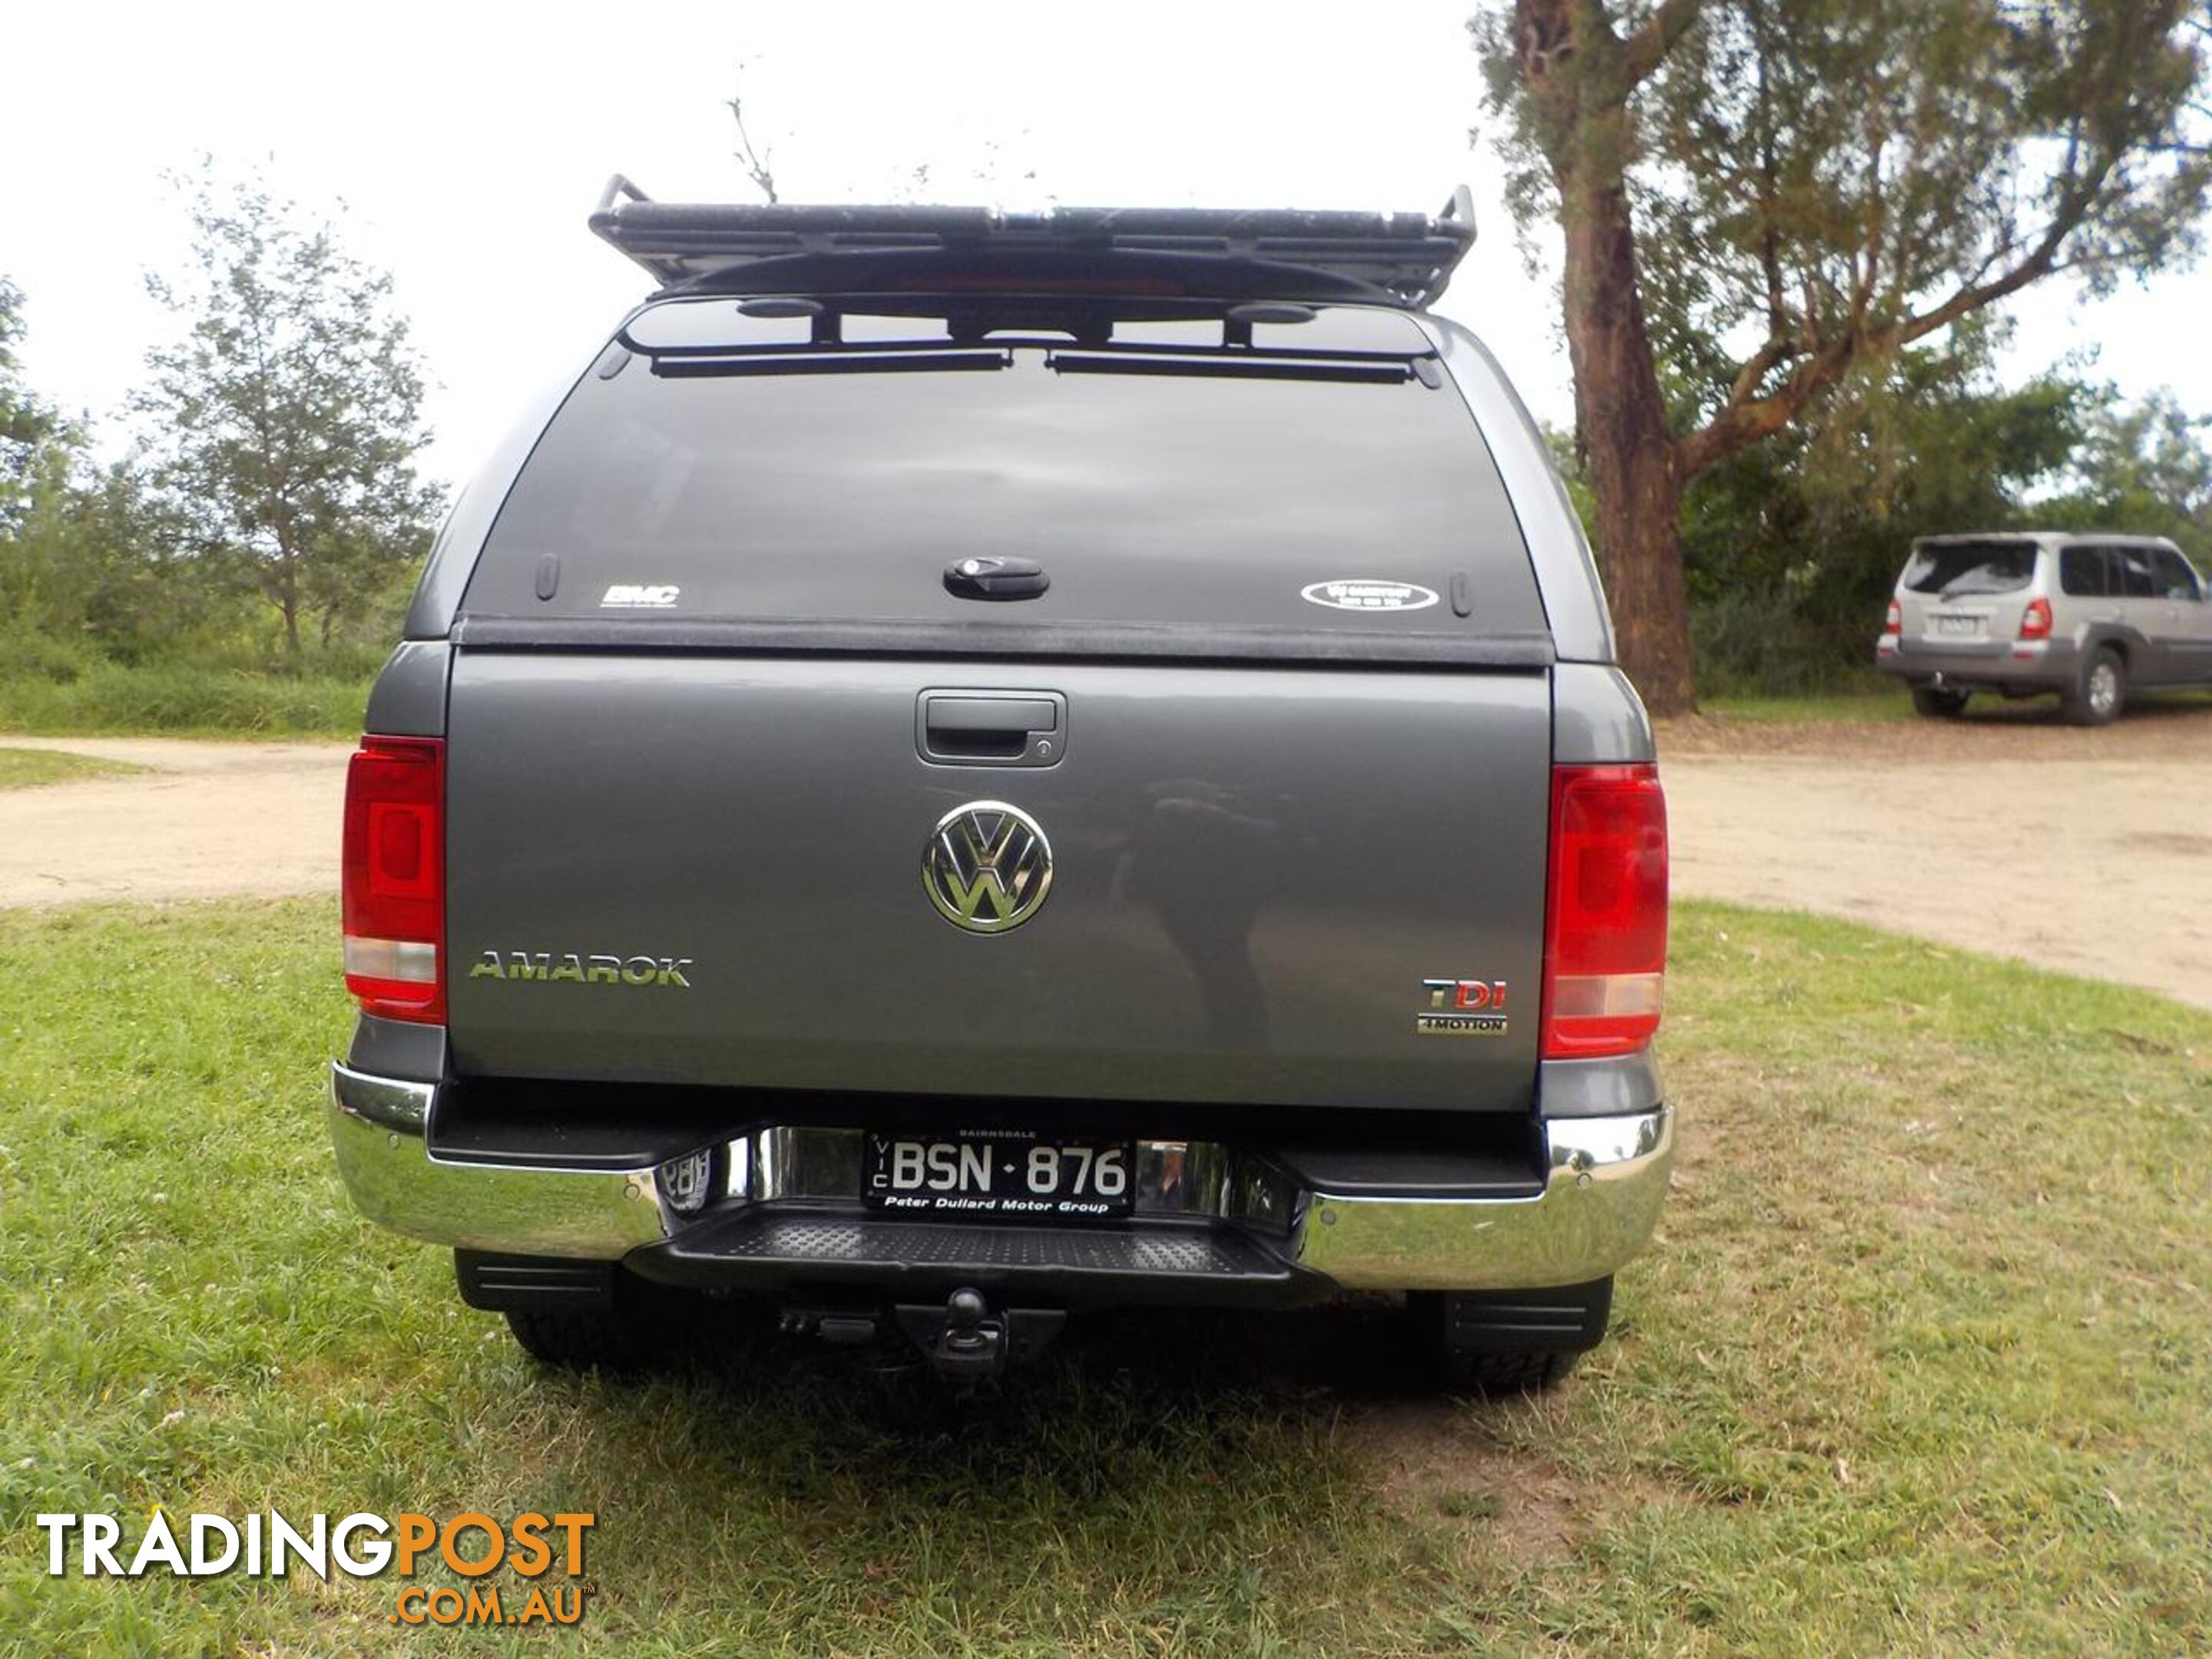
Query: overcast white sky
[[469, 140]]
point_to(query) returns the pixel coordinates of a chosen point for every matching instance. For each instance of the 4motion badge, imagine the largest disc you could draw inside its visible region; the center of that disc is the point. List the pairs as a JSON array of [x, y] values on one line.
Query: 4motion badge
[[1463, 1007], [986, 866]]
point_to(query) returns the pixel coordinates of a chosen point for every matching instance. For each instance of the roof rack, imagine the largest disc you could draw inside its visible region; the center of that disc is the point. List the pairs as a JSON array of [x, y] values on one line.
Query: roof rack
[[1407, 257]]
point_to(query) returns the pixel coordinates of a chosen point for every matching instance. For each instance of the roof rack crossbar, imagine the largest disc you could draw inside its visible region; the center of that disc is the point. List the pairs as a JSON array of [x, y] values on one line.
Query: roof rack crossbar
[[1011, 339], [1408, 256]]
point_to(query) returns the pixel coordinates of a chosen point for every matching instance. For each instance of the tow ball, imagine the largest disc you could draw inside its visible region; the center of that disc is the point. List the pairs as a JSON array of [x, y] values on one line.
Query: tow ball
[[965, 1339], [962, 1338]]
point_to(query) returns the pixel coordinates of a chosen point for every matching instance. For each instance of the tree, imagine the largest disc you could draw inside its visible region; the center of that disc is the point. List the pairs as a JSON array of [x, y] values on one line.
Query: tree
[[1759, 198], [29, 429], [2146, 471], [758, 164], [287, 422], [1790, 548], [99, 563], [42, 584]]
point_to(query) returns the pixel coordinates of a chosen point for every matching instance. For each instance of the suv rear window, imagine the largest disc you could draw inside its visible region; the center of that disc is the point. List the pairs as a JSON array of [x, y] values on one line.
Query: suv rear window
[[1955, 568], [1156, 492]]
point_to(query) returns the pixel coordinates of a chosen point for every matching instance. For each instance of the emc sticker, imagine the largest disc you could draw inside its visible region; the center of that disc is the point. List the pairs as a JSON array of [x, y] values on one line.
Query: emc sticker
[[637, 596]]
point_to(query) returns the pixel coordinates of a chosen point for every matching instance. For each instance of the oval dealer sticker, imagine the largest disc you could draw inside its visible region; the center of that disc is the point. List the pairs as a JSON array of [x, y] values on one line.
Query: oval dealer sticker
[[1358, 594]]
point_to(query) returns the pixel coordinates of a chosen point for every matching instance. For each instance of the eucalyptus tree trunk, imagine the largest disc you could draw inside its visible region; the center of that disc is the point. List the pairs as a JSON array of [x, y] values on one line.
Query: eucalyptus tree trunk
[[1577, 73], [1627, 446]]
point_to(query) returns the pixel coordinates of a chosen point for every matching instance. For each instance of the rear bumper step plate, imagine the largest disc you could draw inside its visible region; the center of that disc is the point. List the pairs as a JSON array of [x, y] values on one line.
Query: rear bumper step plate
[[1153, 1262]]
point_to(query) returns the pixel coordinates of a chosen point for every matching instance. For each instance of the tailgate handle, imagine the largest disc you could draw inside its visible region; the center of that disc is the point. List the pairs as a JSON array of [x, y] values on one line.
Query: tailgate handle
[[990, 728]]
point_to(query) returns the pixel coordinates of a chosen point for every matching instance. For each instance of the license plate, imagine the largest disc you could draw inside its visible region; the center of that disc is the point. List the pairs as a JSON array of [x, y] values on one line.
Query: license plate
[[976, 1175], [1958, 624]]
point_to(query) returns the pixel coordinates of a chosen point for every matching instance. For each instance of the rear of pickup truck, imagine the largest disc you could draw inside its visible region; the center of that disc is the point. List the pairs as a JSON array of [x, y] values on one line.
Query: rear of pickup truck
[[946, 809]]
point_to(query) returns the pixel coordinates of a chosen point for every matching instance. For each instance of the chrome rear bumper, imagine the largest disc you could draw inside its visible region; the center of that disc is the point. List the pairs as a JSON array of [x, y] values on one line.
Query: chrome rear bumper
[[1601, 1200], [1596, 1206]]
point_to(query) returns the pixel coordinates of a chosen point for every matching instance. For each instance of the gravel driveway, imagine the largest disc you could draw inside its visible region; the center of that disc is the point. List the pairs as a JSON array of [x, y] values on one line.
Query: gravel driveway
[[209, 819], [2011, 833], [2085, 850]]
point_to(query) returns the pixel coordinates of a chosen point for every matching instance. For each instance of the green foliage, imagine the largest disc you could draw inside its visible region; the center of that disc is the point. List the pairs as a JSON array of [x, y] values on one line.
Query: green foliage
[[1833, 178], [98, 560], [247, 568], [29, 429], [89, 693], [1814, 186], [2146, 470], [1877, 701], [1791, 548], [286, 425], [1766, 204], [31, 769], [1923, 442]]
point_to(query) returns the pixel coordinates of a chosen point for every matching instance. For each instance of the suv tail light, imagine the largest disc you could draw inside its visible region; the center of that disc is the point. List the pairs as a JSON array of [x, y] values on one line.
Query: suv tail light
[[1605, 931], [1895, 622], [394, 880], [2035, 620]]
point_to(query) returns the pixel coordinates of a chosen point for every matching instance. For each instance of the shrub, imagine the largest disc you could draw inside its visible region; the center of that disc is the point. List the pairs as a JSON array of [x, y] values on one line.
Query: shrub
[[32, 656], [1777, 643], [104, 696]]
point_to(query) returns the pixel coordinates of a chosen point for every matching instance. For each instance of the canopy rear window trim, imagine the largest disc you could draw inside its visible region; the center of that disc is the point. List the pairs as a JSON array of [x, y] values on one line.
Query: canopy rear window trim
[[1014, 641]]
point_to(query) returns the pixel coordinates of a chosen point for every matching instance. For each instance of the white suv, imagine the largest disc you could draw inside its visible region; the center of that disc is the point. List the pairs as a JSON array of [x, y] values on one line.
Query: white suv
[[2086, 615]]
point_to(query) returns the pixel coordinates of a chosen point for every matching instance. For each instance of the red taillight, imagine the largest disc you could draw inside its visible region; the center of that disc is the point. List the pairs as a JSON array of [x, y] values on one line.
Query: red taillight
[[1605, 943], [1893, 623], [394, 882], [2035, 620]]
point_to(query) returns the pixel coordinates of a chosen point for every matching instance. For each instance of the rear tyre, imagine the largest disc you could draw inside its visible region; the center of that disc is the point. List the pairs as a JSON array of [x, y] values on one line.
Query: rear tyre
[[2100, 691], [577, 1339], [1934, 703], [1499, 1376], [577, 1314]]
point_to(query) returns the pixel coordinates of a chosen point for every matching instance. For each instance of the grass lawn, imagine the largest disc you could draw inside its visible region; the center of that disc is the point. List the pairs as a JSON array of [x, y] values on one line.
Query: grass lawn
[[27, 769], [1879, 700], [1920, 1365]]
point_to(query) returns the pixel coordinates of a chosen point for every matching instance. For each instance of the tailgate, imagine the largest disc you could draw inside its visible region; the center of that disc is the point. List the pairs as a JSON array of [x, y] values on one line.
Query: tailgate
[[700, 869]]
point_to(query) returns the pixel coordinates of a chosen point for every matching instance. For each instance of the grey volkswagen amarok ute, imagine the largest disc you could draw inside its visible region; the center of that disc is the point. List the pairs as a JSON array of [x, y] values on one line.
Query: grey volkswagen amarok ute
[[973, 766]]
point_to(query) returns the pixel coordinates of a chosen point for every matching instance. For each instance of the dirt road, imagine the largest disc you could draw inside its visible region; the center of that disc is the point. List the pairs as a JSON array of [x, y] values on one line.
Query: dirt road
[[2090, 851], [208, 819], [2085, 850]]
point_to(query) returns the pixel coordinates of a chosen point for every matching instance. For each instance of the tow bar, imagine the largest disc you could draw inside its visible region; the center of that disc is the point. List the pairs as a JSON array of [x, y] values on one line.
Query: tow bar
[[962, 1338], [965, 1339]]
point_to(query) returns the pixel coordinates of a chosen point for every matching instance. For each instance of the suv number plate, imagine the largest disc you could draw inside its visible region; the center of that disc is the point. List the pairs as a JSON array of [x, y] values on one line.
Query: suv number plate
[[1958, 624], [1015, 1176]]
